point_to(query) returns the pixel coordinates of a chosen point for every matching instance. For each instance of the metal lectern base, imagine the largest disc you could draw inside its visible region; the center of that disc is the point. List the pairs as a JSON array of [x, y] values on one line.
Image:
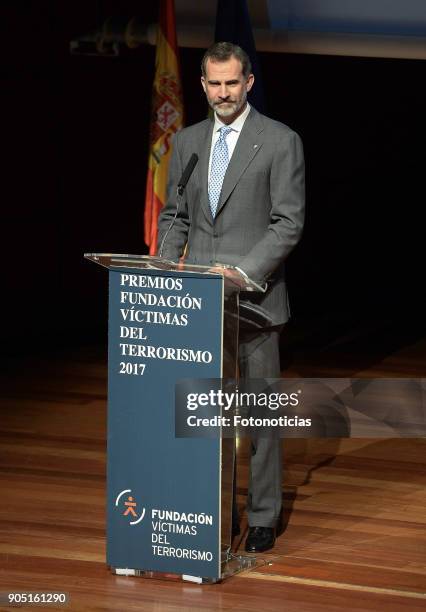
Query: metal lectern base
[[233, 565]]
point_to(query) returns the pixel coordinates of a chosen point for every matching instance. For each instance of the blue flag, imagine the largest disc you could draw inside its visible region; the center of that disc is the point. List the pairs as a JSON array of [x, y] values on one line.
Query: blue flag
[[233, 25]]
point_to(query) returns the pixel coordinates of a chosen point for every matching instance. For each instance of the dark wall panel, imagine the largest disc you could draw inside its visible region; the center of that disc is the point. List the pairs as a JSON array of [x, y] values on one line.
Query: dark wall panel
[[77, 140]]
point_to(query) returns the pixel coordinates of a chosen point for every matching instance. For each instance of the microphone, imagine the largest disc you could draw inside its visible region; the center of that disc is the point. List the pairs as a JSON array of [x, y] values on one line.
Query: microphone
[[189, 169], [187, 173]]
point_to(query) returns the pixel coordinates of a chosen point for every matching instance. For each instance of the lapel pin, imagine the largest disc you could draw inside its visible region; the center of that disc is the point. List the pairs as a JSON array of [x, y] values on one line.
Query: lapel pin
[[254, 146]]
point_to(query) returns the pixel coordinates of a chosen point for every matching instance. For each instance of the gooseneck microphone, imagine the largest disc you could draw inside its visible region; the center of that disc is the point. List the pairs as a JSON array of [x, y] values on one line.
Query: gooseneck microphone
[[189, 169], [187, 173]]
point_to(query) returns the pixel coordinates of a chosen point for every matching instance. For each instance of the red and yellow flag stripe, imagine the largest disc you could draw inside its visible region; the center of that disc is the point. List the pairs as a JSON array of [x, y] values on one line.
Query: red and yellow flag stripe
[[166, 119]]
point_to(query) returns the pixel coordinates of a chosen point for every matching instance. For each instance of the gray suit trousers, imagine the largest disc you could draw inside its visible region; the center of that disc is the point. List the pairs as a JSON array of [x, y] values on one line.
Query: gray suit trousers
[[259, 358]]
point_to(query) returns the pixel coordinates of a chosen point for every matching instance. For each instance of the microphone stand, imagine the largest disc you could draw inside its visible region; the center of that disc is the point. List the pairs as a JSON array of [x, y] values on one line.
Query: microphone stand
[[179, 192]]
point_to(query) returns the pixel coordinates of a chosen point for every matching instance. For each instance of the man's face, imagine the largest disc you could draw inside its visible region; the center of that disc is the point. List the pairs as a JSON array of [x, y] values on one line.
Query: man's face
[[226, 88]]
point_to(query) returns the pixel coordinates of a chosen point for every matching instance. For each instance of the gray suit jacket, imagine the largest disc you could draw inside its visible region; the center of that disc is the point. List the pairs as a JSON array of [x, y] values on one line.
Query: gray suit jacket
[[260, 212]]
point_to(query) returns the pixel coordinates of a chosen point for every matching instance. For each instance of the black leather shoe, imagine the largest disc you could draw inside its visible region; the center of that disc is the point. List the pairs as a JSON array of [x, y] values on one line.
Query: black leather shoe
[[260, 539]]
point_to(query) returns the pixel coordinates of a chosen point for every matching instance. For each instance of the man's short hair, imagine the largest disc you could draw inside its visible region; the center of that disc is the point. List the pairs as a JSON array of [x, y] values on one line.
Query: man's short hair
[[222, 52]]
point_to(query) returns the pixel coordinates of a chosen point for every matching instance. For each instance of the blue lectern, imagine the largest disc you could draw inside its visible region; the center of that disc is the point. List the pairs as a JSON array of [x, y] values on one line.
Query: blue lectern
[[169, 499]]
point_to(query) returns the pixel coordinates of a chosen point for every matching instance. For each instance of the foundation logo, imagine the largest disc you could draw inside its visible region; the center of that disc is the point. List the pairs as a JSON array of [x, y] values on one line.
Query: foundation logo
[[128, 507]]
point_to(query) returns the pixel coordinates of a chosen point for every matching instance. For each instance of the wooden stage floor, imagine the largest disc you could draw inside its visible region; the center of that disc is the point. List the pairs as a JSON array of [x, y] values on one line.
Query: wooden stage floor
[[355, 509]]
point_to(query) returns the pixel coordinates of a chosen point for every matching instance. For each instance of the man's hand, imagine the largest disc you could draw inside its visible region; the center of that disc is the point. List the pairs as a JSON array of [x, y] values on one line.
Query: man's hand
[[233, 275]]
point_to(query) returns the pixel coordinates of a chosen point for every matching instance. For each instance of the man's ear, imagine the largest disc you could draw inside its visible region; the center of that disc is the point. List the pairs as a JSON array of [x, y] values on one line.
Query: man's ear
[[250, 82], [203, 83]]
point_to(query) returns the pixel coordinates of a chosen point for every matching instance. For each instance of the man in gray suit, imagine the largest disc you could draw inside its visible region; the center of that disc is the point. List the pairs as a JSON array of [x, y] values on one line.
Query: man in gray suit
[[244, 206]]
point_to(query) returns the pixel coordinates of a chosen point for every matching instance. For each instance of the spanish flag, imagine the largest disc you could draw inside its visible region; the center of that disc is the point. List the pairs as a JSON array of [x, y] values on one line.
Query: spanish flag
[[166, 119]]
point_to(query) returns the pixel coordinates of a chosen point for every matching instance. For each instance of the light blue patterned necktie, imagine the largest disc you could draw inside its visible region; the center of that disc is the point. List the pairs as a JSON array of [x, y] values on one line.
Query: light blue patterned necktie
[[220, 161]]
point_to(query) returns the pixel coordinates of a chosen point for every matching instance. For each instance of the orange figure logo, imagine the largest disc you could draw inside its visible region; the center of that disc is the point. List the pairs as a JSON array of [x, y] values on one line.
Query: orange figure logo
[[130, 506]]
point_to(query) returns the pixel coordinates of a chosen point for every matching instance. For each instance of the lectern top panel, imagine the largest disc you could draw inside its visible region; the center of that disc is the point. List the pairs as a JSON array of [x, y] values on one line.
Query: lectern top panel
[[147, 262]]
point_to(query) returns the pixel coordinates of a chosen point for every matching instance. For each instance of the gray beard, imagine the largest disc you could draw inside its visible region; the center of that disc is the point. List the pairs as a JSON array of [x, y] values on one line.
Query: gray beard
[[232, 109], [222, 111]]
